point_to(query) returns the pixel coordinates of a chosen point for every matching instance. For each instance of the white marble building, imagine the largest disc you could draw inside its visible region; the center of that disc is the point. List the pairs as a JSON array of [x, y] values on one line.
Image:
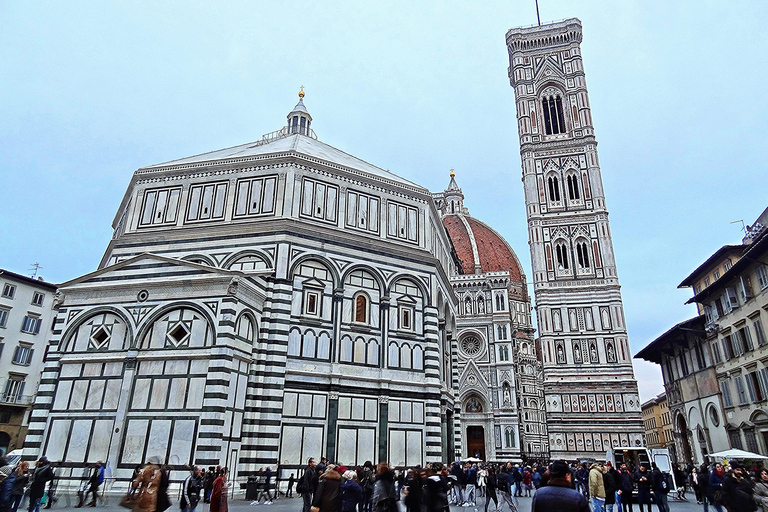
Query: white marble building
[[592, 402], [266, 303]]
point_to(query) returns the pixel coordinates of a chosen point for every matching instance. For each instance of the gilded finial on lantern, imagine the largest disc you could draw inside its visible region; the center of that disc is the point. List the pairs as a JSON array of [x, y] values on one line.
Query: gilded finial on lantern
[[453, 174], [301, 92]]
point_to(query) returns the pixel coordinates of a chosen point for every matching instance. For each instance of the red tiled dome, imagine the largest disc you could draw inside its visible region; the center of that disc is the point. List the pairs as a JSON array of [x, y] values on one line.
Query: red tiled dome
[[493, 252]]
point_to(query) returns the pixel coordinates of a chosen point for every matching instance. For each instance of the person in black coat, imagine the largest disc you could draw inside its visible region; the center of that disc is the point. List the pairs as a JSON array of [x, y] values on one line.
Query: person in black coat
[[558, 493], [626, 485], [42, 475], [737, 491], [413, 492], [609, 482], [351, 492], [491, 483], [643, 481], [327, 498]]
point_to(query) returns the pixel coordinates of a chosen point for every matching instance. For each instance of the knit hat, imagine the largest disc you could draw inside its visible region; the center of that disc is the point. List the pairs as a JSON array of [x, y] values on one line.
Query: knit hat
[[558, 469]]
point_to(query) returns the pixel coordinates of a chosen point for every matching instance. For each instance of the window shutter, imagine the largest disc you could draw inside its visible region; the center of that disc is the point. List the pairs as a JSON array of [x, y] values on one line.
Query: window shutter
[[762, 379], [751, 388], [29, 356]]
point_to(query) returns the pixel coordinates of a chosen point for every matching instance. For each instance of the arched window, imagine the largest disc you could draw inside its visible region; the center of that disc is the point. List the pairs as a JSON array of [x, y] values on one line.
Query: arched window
[[582, 254], [573, 187], [554, 122], [509, 436], [361, 308], [554, 188], [245, 328], [500, 302], [562, 256]]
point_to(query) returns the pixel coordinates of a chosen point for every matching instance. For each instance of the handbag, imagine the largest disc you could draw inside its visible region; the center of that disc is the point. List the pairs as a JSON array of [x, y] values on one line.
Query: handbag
[[129, 500]]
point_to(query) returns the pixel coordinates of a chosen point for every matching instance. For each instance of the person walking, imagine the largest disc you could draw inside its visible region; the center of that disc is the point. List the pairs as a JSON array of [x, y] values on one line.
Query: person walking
[[490, 488], [643, 482], [597, 487], [384, 496], [482, 475], [308, 484], [20, 485], [471, 491], [94, 481], [660, 483], [190, 490], [40, 477], [558, 493], [715, 489], [517, 479], [291, 482], [219, 492], [693, 480], [327, 496], [351, 492], [504, 485]]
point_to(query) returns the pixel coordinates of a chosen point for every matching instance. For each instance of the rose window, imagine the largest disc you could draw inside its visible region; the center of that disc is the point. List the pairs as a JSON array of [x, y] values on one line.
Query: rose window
[[471, 345]]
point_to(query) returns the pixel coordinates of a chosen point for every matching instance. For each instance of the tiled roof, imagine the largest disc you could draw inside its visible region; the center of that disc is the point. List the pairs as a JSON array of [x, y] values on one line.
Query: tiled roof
[[493, 252]]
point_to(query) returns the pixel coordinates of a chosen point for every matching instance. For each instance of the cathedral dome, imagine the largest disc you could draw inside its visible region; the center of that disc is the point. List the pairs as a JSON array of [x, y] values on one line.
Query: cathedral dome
[[480, 248]]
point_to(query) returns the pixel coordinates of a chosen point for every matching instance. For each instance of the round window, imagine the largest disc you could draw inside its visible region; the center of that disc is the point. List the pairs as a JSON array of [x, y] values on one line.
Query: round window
[[471, 345], [714, 416]]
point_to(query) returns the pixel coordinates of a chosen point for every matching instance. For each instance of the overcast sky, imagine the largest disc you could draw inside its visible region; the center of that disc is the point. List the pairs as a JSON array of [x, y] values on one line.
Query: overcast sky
[[91, 91]]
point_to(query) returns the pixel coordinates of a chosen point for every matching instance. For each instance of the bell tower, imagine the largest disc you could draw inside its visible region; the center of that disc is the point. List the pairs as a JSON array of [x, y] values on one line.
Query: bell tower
[[591, 396]]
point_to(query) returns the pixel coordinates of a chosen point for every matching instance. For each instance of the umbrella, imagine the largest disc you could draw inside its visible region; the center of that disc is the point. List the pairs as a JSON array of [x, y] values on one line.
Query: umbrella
[[736, 454]]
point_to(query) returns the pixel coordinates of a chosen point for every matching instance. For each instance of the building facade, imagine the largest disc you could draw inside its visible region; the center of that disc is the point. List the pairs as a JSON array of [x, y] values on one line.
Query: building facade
[[592, 402], [657, 423], [25, 325], [715, 379], [280, 300], [499, 397]]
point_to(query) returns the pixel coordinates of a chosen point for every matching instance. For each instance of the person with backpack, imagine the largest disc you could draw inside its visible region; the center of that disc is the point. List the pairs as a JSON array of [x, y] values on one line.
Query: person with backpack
[[190, 490], [490, 488], [661, 484], [308, 484], [366, 478], [7, 482]]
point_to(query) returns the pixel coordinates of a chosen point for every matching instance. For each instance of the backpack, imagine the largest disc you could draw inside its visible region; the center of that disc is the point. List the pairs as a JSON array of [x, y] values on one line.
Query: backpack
[[300, 485]]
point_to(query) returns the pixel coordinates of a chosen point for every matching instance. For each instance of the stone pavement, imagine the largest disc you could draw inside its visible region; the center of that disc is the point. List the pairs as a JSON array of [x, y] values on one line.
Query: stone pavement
[[111, 504]]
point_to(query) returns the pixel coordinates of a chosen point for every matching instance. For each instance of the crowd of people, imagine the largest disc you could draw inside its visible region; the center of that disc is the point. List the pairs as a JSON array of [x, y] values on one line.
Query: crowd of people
[[16, 482]]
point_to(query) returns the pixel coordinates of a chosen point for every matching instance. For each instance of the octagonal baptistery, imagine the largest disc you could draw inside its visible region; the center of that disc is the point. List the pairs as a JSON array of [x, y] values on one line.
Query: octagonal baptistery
[[499, 391], [256, 306]]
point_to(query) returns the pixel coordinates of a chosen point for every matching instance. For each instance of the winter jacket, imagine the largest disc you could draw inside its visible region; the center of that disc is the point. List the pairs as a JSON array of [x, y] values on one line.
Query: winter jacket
[[436, 493], [596, 485], [626, 482], [609, 481], [660, 482], [472, 476], [42, 475], [502, 482], [527, 478], [384, 495], [351, 495], [715, 482], [6, 492], [328, 495], [738, 494], [20, 484], [558, 495], [412, 499], [219, 495], [760, 495], [643, 485], [190, 494]]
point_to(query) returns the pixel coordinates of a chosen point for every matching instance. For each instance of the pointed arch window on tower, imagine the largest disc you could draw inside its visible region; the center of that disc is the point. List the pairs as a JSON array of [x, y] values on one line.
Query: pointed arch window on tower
[[562, 256], [573, 187], [582, 254], [554, 188], [554, 122]]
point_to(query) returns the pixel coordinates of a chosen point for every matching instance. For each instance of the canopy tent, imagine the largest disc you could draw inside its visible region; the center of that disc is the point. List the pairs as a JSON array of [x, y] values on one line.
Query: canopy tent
[[736, 454], [473, 459]]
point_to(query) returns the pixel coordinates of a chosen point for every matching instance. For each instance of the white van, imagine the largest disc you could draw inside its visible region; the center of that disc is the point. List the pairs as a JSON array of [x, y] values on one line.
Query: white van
[[634, 456], [13, 458]]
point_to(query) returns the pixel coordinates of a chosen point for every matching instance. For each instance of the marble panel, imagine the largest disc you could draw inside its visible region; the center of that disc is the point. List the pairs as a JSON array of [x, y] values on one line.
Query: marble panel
[[305, 405], [371, 410], [312, 442], [58, 436], [78, 440], [290, 452], [177, 393], [176, 367], [79, 392], [290, 404], [112, 394], [151, 368], [198, 366], [393, 414], [242, 384], [405, 412], [183, 439], [158, 439], [102, 434], [415, 448], [318, 406], [113, 369], [70, 370], [345, 407], [63, 390], [95, 394], [195, 393], [133, 445], [397, 447], [418, 412], [347, 446], [92, 369], [158, 394], [358, 408], [366, 445], [140, 394]]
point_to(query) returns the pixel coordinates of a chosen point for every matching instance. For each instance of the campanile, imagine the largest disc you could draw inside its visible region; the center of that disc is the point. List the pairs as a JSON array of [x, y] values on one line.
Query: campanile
[[591, 396]]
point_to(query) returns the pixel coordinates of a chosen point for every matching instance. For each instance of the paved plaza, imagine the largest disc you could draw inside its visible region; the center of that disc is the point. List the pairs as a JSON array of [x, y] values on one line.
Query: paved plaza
[[110, 503]]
